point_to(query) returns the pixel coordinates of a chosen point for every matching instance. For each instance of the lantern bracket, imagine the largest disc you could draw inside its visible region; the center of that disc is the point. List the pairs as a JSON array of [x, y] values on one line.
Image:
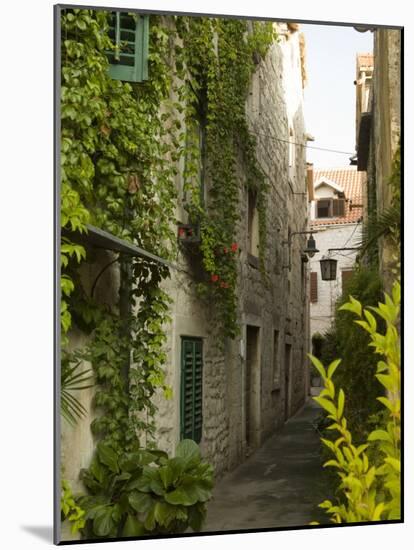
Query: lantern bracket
[[310, 249]]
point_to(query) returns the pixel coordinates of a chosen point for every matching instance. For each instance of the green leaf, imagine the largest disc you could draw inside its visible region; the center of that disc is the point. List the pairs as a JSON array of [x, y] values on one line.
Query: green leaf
[[103, 522], [379, 435], [387, 381], [108, 457], [164, 513], [133, 527], [394, 462], [334, 463], [327, 405], [140, 502], [396, 293], [371, 320], [332, 367], [386, 402], [187, 496], [196, 516], [318, 365], [353, 305], [370, 476], [378, 511], [341, 403], [188, 450]]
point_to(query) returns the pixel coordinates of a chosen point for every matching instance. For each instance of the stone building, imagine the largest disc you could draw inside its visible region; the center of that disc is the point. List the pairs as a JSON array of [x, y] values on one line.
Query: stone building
[[244, 391], [379, 129], [259, 381], [336, 213]]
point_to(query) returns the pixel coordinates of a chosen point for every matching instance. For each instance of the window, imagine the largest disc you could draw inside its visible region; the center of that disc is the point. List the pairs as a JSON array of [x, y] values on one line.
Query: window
[[195, 141], [191, 388], [330, 208], [130, 35], [313, 286], [195, 156], [276, 361], [323, 208]]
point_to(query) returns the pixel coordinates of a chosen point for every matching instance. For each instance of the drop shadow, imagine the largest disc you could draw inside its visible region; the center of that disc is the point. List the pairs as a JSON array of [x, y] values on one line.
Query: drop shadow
[[43, 532]]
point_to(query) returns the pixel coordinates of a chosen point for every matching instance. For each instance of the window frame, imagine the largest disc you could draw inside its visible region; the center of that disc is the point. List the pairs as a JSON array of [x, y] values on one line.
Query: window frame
[[138, 72], [332, 204]]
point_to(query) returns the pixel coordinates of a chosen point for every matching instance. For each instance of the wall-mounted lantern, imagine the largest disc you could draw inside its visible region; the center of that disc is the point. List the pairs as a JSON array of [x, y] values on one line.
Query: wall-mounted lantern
[[310, 249], [328, 268]]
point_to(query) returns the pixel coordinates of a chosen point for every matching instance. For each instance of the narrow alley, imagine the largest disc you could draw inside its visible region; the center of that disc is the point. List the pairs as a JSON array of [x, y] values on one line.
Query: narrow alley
[[280, 485], [229, 195]]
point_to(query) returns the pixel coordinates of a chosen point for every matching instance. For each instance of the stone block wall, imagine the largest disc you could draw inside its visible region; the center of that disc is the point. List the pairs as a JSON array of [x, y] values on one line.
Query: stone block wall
[[274, 107], [275, 303]]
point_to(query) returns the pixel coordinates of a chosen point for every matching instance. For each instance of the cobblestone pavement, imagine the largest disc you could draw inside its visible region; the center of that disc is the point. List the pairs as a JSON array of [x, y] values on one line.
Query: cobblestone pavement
[[280, 485]]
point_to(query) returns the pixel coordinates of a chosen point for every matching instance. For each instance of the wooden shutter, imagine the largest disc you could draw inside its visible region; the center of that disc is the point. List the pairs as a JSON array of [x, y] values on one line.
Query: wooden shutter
[[323, 208], [314, 286], [346, 275], [130, 34], [338, 207], [191, 388]]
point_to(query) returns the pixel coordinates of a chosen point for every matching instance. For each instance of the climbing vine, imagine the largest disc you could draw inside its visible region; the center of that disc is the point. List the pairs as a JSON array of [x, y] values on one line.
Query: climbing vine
[[121, 144], [214, 59], [116, 174]]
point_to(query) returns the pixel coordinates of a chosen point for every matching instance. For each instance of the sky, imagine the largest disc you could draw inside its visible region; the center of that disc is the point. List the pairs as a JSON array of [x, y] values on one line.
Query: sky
[[330, 93]]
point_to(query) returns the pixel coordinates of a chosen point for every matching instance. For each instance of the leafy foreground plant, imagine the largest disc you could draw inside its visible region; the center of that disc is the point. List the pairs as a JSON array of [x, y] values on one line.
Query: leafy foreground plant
[[370, 487], [73, 378], [70, 510], [142, 492]]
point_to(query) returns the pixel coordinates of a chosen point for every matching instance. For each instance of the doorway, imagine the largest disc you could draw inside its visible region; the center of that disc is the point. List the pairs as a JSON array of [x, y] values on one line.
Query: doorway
[[252, 386]]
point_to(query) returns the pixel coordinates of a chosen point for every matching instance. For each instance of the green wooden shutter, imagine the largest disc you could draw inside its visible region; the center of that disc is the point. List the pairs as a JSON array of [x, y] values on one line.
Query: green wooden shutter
[[191, 388], [130, 34]]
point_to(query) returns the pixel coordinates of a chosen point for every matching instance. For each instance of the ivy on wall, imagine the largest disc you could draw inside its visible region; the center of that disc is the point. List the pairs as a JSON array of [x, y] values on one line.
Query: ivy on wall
[[116, 174], [121, 144], [215, 61]]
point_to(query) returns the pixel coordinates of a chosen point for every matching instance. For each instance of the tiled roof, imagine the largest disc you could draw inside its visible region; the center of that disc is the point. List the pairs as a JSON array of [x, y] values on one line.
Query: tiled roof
[[352, 183]]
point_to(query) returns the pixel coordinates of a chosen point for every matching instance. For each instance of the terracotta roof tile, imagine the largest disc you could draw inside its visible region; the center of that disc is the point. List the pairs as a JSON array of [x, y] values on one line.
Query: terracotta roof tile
[[352, 183]]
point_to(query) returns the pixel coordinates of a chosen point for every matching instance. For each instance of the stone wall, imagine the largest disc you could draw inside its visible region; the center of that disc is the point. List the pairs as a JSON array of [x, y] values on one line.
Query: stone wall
[[385, 133], [274, 109]]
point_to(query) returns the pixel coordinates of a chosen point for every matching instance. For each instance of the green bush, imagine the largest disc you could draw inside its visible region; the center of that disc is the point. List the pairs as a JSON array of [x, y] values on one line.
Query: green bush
[[370, 487], [345, 340], [142, 492]]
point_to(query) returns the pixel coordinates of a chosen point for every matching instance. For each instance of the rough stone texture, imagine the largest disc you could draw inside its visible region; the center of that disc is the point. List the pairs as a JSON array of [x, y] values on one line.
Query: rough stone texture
[[385, 133], [274, 109]]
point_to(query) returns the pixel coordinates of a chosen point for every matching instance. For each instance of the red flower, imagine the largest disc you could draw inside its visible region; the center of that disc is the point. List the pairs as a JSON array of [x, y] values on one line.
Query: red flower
[[225, 250], [234, 247], [181, 232], [214, 278]]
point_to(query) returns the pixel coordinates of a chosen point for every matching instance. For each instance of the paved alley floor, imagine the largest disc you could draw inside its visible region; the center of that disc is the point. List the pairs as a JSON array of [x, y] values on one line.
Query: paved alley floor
[[280, 485]]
